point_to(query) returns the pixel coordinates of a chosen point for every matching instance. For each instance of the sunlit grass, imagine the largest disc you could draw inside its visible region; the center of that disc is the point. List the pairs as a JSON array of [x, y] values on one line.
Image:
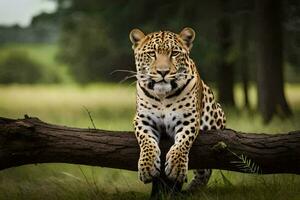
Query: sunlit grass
[[112, 107]]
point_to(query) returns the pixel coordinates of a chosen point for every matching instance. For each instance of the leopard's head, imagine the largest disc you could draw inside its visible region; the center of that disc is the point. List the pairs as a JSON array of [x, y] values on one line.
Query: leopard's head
[[162, 60]]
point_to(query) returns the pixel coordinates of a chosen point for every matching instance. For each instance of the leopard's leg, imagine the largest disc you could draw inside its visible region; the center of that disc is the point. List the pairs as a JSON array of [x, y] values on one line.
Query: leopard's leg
[[149, 161], [214, 120], [176, 166]]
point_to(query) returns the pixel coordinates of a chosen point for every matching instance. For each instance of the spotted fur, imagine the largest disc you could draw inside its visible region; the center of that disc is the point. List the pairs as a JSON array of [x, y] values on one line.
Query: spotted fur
[[172, 101]]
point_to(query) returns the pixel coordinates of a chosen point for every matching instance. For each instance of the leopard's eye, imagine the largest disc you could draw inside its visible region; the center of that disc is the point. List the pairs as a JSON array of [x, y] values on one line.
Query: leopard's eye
[[175, 53], [152, 54]]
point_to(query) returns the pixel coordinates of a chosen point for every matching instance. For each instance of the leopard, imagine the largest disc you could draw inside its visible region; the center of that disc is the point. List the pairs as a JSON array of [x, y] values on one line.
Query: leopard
[[172, 101]]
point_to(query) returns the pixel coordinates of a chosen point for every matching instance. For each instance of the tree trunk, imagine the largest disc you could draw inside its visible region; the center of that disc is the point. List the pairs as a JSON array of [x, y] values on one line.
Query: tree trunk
[[29, 141], [271, 99], [225, 68], [244, 62]]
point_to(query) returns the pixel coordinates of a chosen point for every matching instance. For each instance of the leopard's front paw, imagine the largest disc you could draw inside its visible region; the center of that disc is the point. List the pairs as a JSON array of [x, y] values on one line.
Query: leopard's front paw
[[176, 166], [149, 167]]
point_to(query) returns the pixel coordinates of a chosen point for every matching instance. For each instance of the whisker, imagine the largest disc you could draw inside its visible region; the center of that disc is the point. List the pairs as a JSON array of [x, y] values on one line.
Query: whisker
[[132, 83], [122, 70], [126, 78]]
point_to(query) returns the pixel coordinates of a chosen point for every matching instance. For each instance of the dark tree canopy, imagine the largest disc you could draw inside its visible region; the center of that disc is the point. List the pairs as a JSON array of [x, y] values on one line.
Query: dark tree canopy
[[94, 41]]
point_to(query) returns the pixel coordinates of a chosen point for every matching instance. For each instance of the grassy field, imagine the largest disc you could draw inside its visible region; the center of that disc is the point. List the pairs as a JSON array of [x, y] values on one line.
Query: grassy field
[[112, 107]]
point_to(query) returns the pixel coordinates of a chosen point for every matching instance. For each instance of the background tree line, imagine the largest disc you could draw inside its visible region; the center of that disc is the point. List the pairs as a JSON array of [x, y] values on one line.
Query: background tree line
[[237, 42], [233, 38]]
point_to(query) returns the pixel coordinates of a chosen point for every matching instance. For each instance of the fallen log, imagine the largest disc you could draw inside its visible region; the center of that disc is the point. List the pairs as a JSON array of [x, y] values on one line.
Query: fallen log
[[30, 141]]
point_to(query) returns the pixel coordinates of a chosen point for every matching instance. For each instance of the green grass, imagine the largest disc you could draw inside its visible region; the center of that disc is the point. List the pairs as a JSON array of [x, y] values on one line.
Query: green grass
[[112, 107]]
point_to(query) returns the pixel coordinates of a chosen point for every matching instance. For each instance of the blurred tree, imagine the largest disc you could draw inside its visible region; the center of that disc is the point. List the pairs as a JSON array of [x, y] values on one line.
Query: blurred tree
[[114, 20], [85, 46], [292, 37], [243, 60], [18, 67], [271, 97], [94, 39], [225, 72]]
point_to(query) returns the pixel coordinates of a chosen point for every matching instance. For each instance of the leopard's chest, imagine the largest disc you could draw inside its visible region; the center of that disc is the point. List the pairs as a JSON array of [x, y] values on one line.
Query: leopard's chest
[[166, 119]]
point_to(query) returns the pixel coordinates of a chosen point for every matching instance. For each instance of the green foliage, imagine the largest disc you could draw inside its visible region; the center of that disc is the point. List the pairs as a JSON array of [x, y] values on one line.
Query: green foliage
[[95, 39], [243, 162], [18, 67], [95, 34], [38, 58], [246, 164], [87, 49]]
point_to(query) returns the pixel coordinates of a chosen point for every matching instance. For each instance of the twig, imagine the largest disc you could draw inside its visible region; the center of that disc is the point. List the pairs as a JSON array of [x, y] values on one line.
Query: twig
[[90, 116]]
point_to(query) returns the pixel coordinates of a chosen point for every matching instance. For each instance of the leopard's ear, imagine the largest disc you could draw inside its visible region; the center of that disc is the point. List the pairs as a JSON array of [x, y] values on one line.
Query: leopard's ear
[[135, 36], [188, 36]]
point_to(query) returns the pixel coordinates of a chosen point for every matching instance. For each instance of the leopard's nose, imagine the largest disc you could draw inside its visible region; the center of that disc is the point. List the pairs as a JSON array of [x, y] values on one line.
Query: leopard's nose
[[163, 73]]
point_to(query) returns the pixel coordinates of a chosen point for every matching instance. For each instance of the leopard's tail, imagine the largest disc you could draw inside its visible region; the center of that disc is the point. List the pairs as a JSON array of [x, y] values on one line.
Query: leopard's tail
[[200, 179]]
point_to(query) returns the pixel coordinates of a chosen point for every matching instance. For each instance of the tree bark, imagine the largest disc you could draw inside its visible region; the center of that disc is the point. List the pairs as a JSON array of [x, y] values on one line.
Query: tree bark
[[30, 141], [271, 97]]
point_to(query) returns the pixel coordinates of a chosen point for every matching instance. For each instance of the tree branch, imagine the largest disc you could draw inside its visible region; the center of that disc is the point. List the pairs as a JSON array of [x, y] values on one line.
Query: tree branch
[[29, 140]]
